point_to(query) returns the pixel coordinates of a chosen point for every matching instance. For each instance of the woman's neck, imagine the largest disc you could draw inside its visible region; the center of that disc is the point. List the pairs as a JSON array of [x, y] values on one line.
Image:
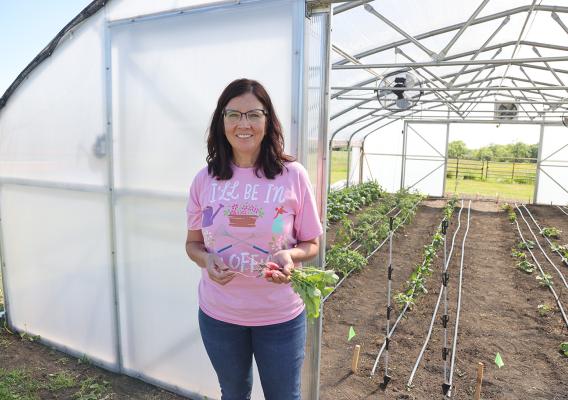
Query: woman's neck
[[244, 162]]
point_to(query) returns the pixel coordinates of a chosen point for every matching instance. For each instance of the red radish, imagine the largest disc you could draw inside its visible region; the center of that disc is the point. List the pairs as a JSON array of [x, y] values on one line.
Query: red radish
[[268, 273], [272, 266]]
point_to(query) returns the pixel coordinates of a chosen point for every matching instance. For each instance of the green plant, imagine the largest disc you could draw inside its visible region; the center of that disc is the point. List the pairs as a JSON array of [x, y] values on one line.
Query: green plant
[[544, 309], [518, 254], [510, 212], [312, 285], [526, 266], [562, 249], [551, 232], [564, 348], [527, 244], [60, 380], [90, 389], [344, 260], [545, 280]]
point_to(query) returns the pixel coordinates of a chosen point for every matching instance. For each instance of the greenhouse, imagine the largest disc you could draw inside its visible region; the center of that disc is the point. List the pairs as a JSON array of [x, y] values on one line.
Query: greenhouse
[[102, 133]]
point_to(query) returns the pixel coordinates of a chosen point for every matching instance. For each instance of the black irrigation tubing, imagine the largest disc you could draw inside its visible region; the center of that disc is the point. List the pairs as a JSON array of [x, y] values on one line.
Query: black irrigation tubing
[[564, 260], [562, 209], [542, 274], [390, 333], [409, 383], [541, 249], [458, 311], [349, 273]]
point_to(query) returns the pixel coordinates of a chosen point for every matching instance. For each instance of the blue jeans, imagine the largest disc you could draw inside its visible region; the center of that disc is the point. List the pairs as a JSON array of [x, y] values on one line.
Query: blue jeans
[[278, 350]]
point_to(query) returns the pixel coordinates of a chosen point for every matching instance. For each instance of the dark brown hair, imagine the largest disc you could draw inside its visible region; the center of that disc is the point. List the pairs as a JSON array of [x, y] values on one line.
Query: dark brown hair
[[271, 158]]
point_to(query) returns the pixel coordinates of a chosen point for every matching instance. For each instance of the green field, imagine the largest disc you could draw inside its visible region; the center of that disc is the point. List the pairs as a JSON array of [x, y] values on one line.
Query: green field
[[338, 166], [485, 189]]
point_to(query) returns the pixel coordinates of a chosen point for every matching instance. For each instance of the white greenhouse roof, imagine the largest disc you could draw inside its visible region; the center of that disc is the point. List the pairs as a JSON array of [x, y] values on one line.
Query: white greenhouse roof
[[467, 56]]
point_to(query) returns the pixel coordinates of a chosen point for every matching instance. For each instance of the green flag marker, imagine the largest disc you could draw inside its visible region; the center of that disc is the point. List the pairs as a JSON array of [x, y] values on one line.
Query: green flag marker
[[498, 360], [351, 334]]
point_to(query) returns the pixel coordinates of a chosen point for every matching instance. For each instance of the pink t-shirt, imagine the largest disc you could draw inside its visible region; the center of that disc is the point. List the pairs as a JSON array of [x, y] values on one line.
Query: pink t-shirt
[[245, 220]]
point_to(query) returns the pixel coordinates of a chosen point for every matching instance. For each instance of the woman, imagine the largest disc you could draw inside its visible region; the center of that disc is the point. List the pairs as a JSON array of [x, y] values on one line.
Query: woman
[[251, 204]]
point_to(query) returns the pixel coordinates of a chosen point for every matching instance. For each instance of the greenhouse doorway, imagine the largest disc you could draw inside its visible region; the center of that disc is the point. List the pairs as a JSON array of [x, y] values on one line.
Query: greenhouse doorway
[[493, 161]]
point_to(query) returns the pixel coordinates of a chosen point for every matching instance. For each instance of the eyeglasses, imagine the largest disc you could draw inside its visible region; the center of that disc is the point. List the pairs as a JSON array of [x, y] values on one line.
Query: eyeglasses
[[253, 116]]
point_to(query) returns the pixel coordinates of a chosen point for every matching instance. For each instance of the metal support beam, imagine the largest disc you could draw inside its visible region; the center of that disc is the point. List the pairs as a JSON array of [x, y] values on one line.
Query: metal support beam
[[549, 67], [483, 46], [443, 53], [426, 50], [349, 5], [455, 88], [454, 27], [559, 21], [454, 63]]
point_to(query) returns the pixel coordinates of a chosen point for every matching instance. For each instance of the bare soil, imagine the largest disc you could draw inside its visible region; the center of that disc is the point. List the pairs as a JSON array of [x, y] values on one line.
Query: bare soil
[[40, 362], [498, 314]]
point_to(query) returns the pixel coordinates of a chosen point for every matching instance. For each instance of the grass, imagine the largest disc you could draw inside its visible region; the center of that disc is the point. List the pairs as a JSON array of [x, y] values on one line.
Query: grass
[[509, 191], [338, 166], [19, 384]]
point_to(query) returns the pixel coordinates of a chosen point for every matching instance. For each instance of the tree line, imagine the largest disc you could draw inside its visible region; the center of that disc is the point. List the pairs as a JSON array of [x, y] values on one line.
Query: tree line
[[494, 152]]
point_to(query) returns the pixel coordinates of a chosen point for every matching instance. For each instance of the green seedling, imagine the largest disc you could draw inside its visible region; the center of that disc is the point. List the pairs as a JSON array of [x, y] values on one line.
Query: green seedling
[[544, 309], [551, 232], [518, 254], [564, 348], [525, 266], [545, 280], [527, 244]]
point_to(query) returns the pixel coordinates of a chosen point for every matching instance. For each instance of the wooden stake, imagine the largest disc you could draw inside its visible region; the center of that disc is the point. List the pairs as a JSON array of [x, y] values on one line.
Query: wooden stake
[[355, 361], [477, 395]]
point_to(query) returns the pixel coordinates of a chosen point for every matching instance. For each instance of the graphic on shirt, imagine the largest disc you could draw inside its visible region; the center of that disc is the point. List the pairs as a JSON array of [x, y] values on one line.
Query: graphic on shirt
[[243, 215], [208, 239], [237, 241], [208, 216], [278, 223]]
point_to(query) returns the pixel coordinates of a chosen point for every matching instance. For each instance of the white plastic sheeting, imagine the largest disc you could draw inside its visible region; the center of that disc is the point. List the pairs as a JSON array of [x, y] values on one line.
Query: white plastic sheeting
[[58, 275], [553, 167], [50, 126], [425, 157], [383, 156]]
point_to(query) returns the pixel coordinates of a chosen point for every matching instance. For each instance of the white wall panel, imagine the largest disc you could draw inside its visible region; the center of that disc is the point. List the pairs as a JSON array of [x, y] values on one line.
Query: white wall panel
[[158, 296], [383, 156], [58, 267], [425, 158], [168, 74], [553, 173], [51, 123]]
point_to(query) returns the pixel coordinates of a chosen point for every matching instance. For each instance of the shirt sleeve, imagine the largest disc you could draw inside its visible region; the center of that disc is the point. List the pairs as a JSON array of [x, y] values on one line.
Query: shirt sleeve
[[193, 208], [307, 223]]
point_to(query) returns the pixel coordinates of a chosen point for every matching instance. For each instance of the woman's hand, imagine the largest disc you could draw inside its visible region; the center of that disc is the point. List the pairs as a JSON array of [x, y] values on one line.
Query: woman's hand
[[284, 259], [217, 269]]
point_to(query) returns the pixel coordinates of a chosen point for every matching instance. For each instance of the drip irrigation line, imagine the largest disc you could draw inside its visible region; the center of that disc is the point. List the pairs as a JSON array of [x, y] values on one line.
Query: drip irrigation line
[[447, 262], [374, 251], [562, 209], [541, 249], [564, 260], [542, 274], [396, 323], [456, 327]]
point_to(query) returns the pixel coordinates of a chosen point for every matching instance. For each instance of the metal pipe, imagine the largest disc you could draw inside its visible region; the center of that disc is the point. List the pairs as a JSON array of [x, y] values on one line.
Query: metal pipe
[[455, 27], [559, 21], [374, 12], [454, 88], [348, 6], [529, 12], [443, 53], [549, 67], [452, 63]]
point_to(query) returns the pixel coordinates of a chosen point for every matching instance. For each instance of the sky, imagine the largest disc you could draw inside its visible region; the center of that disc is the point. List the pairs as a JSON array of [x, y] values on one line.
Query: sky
[[26, 27]]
